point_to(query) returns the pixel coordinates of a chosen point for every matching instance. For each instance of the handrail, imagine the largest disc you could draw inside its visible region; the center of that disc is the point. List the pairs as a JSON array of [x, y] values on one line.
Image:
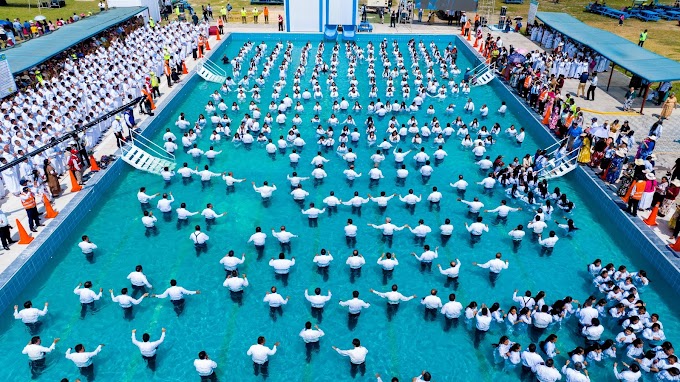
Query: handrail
[[211, 66], [559, 143], [138, 139], [544, 171]]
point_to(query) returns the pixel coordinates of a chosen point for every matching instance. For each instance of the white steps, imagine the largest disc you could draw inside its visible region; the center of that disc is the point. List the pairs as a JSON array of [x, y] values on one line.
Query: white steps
[[485, 77], [209, 71], [559, 171], [143, 154]]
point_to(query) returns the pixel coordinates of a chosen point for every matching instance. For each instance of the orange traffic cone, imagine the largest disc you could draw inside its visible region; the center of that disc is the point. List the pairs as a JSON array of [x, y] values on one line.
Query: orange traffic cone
[[184, 68], [469, 36], [75, 187], [24, 237], [462, 30], [675, 246], [50, 213], [630, 191], [481, 47], [207, 44], [218, 36], [200, 51], [476, 42], [651, 219], [94, 167]]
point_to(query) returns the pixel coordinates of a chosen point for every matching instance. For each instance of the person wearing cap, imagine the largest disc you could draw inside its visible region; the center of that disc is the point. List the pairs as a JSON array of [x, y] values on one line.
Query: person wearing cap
[[648, 195], [117, 128], [29, 204], [75, 164], [636, 195]]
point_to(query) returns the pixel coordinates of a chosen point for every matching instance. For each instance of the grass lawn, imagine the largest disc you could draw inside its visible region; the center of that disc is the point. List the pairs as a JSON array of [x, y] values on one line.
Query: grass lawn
[[662, 37], [18, 8]]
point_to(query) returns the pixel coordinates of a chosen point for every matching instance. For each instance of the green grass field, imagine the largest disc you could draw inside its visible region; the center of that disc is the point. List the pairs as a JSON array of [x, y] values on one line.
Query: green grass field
[[662, 37]]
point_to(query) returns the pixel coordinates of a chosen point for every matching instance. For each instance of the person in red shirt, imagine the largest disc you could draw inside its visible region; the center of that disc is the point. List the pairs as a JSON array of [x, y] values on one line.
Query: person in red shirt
[[75, 164]]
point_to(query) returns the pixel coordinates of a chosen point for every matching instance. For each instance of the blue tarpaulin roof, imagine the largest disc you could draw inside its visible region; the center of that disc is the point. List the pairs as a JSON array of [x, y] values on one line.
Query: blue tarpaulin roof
[[624, 53], [36, 51]]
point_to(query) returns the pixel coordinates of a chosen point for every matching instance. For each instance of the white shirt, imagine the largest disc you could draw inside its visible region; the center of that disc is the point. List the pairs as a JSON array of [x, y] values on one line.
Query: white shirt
[[452, 309], [393, 297], [410, 199], [283, 236], [258, 238], [281, 266], [350, 230], [503, 210], [149, 221], [199, 237], [175, 293], [460, 185], [260, 353], [126, 301], [538, 226], [209, 213], [36, 352], [382, 200], [144, 198], [87, 295], [235, 284], [474, 206], [357, 355], [138, 279], [387, 228], [427, 256], [355, 262], [516, 234], [204, 367], [164, 204], [183, 213], [451, 272], [446, 229], [432, 302], [313, 212], [547, 374], [317, 301], [494, 265], [148, 349], [573, 375], [586, 314], [29, 315], [388, 264], [323, 260], [265, 191], [356, 201], [477, 228], [331, 201], [87, 247], [311, 335], [355, 305], [232, 262], [421, 230], [83, 359]]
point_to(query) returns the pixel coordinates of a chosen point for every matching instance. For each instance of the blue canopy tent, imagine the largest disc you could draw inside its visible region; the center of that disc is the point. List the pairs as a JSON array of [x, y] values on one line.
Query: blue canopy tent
[[647, 65]]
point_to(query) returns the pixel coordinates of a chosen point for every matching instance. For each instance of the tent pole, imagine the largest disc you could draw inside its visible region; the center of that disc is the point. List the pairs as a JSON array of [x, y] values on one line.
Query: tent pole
[[644, 98], [610, 75]]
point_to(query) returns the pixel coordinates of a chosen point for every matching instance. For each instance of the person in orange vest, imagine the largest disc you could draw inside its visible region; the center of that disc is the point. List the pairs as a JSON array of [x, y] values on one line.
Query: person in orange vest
[[266, 15], [28, 201], [220, 25], [467, 28], [201, 45], [168, 74], [527, 85], [636, 195]]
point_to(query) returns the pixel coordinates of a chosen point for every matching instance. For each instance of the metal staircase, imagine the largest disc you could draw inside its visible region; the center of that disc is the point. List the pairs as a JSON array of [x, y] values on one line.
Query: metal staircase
[[211, 71], [485, 9], [484, 73], [558, 166], [143, 154]]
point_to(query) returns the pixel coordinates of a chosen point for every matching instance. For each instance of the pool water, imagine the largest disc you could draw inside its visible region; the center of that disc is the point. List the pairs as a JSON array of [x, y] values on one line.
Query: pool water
[[213, 322]]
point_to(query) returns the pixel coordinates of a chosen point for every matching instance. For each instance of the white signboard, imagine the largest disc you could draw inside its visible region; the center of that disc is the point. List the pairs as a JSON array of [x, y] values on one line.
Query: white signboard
[[7, 84]]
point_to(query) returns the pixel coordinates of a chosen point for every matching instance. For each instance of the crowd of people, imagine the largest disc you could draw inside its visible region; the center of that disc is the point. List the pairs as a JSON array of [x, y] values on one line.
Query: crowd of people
[[102, 75]]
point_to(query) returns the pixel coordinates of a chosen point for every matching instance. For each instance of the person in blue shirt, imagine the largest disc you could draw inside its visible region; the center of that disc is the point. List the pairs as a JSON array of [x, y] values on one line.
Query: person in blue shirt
[[574, 132]]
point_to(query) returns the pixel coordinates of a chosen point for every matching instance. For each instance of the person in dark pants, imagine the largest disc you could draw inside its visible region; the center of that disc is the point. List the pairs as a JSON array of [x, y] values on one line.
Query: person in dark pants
[[357, 357], [83, 360], [311, 338], [36, 355], [5, 234], [393, 19], [636, 195], [148, 349], [205, 367], [260, 353], [590, 95], [29, 204]]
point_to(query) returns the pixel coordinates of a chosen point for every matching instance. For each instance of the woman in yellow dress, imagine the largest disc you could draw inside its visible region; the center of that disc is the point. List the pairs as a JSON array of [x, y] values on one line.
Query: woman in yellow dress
[[584, 153], [668, 106]]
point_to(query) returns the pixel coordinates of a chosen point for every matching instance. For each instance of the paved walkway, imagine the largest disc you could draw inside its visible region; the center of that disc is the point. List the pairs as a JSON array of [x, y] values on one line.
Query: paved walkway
[[668, 145]]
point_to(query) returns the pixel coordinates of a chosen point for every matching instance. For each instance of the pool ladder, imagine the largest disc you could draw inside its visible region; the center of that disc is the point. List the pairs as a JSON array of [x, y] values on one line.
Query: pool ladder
[[486, 74], [210, 71], [558, 166], [142, 154]]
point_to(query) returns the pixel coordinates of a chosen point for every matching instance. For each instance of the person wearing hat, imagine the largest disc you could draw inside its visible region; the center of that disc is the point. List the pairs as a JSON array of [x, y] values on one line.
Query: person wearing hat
[[660, 192], [29, 204], [648, 194], [614, 169], [646, 147], [636, 195], [672, 192], [117, 128]]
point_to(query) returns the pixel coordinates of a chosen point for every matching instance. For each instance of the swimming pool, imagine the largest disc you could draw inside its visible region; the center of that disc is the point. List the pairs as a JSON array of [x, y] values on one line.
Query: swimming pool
[[212, 322]]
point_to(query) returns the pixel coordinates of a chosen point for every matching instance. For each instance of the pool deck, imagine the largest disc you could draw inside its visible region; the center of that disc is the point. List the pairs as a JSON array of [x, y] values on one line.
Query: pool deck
[[609, 102]]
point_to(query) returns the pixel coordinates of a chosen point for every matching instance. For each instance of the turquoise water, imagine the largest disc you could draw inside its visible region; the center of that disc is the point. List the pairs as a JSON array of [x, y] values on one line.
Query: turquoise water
[[212, 322]]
